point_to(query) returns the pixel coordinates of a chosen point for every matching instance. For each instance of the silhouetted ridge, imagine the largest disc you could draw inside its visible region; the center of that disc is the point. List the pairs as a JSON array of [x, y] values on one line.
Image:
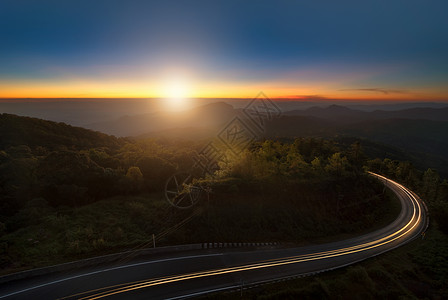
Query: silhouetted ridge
[[16, 130]]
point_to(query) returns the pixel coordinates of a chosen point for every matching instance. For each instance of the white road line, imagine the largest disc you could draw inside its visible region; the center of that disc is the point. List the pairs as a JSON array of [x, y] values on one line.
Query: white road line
[[395, 187], [204, 292], [107, 270]]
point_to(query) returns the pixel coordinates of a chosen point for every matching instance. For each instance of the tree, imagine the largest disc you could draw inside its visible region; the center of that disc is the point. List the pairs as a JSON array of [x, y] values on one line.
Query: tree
[[133, 180], [337, 164], [155, 171], [317, 166], [134, 174], [375, 165], [356, 156], [431, 181], [297, 166]]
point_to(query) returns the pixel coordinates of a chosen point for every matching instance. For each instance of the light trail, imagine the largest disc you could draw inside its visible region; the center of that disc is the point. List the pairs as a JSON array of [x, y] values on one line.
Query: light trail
[[403, 231]]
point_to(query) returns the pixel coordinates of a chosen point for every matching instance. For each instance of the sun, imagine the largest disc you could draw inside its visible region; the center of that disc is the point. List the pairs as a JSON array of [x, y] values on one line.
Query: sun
[[175, 94]]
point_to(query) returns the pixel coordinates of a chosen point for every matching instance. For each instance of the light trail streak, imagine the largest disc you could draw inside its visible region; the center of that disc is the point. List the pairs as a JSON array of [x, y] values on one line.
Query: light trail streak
[[413, 222]]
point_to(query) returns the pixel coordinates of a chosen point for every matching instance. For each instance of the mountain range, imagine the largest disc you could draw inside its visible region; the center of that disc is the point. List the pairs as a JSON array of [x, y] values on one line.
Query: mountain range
[[421, 132], [416, 134], [348, 115]]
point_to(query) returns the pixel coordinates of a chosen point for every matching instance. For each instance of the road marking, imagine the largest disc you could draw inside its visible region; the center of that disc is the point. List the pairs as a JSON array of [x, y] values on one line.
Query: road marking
[[176, 278], [107, 270], [272, 263], [203, 292], [126, 287]]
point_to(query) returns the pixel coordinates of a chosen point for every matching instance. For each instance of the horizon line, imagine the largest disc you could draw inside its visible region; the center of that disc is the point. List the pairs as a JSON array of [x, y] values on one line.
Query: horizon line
[[277, 99]]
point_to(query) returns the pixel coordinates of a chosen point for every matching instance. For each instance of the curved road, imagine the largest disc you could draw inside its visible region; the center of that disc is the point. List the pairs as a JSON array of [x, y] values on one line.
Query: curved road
[[199, 272]]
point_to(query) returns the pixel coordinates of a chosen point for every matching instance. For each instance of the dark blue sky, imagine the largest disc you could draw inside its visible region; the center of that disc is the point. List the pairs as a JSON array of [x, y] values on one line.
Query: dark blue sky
[[296, 47]]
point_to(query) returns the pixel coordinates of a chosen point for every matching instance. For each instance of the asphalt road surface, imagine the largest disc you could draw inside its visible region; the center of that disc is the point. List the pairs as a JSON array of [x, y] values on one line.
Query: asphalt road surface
[[194, 273]]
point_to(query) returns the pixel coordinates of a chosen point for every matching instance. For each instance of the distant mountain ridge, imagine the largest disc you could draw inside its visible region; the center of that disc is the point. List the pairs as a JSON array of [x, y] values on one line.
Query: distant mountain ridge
[[424, 141], [215, 115], [342, 113], [420, 132], [33, 132]]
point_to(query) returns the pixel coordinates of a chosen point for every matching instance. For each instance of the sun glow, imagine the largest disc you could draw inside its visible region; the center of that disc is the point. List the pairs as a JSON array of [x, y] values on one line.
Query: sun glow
[[175, 94]]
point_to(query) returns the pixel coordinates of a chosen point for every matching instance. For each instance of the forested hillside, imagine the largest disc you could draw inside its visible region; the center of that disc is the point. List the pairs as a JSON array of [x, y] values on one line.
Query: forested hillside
[[73, 166], [32, 132], [68, 193]]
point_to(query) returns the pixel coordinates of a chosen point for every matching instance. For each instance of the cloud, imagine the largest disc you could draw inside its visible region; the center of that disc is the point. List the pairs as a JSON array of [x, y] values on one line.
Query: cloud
[[305, 97], [377, 90]]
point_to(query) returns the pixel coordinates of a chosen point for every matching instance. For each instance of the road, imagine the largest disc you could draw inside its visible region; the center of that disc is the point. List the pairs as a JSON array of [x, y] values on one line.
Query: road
[[194, 273]]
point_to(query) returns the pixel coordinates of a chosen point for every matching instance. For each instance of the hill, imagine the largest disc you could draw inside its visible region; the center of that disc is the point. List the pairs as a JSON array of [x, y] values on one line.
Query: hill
[[423, 142], [420, 133], [349, 115], [33, 132]]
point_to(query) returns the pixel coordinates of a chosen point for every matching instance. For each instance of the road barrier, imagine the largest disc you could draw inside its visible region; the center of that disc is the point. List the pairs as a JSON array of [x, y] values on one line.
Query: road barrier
[[236, 245]]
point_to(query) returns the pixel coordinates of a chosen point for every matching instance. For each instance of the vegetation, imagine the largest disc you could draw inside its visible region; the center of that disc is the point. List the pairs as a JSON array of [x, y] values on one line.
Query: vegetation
[[67, 193]]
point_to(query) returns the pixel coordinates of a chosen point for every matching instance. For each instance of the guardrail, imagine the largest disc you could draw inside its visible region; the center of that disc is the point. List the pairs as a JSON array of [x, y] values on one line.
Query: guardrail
[[236, 245]]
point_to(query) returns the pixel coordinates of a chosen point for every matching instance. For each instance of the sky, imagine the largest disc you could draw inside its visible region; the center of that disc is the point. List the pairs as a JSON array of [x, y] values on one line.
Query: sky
[[385, 50]]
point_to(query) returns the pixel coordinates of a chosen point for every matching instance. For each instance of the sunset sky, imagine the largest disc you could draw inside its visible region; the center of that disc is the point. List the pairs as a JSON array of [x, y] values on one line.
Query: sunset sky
[[304, 49]]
